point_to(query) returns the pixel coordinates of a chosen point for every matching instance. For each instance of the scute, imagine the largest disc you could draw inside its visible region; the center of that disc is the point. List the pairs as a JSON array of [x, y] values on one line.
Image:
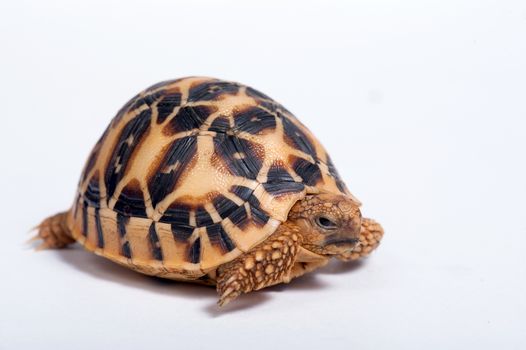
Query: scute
[[193, 172]]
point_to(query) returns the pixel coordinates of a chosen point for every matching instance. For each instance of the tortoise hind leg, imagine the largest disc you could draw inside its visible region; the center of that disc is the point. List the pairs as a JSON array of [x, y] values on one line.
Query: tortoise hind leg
[[54, 232]]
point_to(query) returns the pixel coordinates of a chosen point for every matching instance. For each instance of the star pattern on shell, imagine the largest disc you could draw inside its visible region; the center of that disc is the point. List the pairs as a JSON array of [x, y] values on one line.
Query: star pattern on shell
[[193, 172]]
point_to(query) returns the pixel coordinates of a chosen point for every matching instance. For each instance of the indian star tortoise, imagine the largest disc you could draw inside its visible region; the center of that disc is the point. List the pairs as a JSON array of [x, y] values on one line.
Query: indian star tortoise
[[209, 181]]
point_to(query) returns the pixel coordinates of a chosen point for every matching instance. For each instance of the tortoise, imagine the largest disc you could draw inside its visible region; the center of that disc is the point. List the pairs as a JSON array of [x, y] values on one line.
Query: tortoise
[[213, 182]]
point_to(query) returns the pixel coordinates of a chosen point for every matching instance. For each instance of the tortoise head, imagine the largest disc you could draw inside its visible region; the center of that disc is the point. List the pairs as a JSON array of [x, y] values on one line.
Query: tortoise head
[[330, 223]]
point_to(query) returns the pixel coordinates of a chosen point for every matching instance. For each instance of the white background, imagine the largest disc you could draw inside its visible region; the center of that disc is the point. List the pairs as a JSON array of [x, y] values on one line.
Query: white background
[[422, 105]]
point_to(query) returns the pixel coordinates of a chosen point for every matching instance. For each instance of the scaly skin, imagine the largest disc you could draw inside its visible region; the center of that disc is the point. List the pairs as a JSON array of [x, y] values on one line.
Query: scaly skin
[[267, 264]]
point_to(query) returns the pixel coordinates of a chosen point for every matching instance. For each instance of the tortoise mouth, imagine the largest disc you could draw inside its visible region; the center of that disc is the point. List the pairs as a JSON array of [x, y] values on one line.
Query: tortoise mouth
[[338, 247], [341, 241]]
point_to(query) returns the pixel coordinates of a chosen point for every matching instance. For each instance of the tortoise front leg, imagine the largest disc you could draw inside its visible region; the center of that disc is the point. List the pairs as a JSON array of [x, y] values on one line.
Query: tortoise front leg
[[370, 236], [266, 264]]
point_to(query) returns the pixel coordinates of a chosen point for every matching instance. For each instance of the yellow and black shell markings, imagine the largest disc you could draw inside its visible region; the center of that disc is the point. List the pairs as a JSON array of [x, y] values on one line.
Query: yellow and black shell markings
[[193, 172]]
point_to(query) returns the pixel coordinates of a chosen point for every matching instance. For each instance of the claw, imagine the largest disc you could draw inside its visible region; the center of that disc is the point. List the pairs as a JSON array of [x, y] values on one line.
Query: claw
[[229, 295], [33, 239], [223, 302], [231, 279], [225, 299]]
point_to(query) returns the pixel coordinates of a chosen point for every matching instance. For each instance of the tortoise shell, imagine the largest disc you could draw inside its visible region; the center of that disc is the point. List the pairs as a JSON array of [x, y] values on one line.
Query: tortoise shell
[[192, 173]]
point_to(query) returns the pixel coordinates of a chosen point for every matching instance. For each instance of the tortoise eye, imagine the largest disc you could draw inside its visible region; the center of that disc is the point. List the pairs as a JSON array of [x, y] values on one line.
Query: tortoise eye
[[326, 223]]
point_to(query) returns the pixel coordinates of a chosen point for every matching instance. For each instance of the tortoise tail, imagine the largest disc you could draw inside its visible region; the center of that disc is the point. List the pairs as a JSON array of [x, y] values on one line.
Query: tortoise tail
[[54, 232]]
